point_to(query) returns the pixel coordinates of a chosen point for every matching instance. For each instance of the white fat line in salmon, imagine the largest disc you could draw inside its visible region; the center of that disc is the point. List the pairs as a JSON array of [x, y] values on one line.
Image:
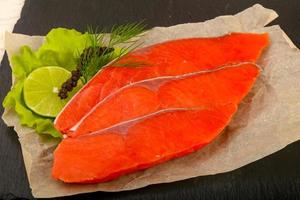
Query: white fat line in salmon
[[158, 82], [86, 85], [122, 127]]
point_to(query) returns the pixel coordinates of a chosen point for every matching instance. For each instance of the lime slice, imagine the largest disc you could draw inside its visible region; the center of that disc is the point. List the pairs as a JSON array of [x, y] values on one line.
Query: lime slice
[[41, 89]]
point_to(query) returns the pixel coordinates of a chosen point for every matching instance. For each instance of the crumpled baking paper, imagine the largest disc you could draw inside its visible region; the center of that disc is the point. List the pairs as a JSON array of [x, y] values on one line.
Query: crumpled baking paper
[[267, 120]]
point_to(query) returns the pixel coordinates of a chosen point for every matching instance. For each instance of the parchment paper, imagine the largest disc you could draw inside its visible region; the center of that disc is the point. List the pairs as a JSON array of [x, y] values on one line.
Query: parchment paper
[[267, 120]]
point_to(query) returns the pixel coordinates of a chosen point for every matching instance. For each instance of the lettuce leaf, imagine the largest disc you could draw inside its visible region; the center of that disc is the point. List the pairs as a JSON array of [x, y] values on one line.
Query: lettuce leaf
[[61, 48]]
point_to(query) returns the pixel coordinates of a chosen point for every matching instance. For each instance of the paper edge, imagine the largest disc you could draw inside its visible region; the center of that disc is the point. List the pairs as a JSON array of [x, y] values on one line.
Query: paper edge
[[272, 14]]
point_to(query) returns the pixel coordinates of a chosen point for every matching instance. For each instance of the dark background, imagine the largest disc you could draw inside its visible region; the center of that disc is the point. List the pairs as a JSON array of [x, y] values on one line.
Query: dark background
[[274, 177]]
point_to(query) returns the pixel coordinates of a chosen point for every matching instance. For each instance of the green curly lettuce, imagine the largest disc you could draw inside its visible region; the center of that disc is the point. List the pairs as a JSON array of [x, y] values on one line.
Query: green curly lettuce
[[61, 48]]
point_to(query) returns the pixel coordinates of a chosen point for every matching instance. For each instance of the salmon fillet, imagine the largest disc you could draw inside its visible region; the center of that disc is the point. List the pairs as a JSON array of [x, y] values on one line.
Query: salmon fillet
[[170, 58], [138, 145]]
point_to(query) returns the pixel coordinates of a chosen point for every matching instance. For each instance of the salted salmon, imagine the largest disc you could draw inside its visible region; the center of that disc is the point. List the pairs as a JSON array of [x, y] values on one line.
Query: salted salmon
[[170, 58], [147, 142], [131, 118], [185, 113]]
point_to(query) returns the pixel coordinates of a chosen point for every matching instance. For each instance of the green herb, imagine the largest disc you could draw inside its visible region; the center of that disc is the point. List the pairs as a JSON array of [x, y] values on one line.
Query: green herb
[[102, 50], [126, 35]]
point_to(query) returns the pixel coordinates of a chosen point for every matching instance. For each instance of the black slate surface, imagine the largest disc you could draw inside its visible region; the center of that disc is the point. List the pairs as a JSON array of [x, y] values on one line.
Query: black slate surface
[[274, 177]]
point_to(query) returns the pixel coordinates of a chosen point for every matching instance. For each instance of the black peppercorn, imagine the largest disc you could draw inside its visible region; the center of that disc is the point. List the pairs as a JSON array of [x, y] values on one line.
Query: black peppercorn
[[76, 74], [74, 83]]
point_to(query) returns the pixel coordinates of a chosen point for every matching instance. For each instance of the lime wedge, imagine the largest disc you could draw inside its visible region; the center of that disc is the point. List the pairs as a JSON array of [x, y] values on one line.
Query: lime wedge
[[41, 89]]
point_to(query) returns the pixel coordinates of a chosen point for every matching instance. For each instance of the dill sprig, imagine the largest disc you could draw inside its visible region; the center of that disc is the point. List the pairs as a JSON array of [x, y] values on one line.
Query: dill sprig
[[101, 51], [124, 33], [124, 37]]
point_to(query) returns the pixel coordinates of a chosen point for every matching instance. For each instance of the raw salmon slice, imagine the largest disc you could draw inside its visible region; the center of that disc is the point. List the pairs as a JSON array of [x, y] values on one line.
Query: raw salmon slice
[[166, 59], [198, 89], [186, 114], [138, 144]]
